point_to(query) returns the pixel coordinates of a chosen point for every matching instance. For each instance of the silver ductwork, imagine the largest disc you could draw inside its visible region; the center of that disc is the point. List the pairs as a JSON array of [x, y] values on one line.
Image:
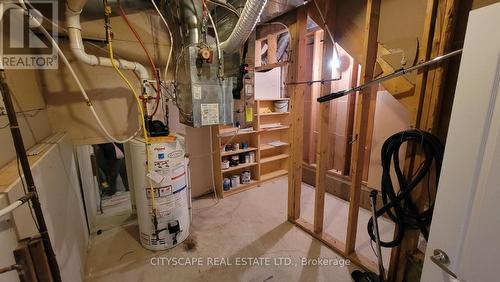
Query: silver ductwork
[[248, 19], [191, 12]]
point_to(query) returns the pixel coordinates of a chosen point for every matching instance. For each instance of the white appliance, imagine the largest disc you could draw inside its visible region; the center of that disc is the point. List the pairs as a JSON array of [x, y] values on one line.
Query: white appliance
[[169, 194]]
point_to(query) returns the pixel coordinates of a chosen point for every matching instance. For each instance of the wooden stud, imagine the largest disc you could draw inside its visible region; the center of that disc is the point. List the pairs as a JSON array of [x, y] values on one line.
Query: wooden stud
[[23, 258], [296, 72], [337, 246], [432, 99], [349, 129], [258, 56], [216, 161], [315, 89], [424, 55], [366, 101], [440, 18], [323, 119], [272, 48]]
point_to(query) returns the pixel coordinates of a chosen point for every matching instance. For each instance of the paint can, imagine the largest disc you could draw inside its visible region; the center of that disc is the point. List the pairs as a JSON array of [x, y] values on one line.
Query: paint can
[[242, 158], [246, 177], [236, 146], [226, 185], [244, 145], [235, 180], [252, 157], [281, 106], [225, 163], [235, 160]]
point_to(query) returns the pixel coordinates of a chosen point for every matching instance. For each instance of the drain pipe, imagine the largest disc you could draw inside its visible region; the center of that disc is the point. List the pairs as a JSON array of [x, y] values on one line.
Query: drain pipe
[[73, 11], [248, 19]]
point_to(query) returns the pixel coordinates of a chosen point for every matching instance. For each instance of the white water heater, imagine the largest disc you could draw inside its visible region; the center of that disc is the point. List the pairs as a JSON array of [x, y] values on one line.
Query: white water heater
[[168, 177]]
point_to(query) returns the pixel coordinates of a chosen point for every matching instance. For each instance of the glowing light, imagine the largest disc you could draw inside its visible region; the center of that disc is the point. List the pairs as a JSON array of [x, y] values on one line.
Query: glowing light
[[335, 62]]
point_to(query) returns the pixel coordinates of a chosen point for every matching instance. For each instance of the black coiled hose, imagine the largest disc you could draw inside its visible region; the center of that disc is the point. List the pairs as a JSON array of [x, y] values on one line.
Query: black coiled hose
[[399, 206]]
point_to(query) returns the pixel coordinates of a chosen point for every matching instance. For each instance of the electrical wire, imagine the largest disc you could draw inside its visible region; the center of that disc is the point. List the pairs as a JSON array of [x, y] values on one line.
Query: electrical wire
[[109, 37], [217, 42], [171, 39], [289, 48], [77, 80], [151, 61], [399, 206]]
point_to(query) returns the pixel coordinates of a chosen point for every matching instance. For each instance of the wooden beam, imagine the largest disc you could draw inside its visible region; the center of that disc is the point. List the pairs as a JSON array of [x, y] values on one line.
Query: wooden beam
[[436, 41], [349, 129], [315, 90], [336, 245], [272, 47], [296, 72], [365, 112], [258, 51], [323, 119], [424, 55], [216, 161], [433, 97], [289, 18]]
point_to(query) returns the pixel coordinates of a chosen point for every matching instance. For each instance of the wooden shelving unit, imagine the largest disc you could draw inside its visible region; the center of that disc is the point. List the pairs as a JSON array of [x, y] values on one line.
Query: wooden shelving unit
[[271, 161]]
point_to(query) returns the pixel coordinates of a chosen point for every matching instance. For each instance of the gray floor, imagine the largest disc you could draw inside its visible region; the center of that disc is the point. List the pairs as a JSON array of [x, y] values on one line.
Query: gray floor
[[249, 224]]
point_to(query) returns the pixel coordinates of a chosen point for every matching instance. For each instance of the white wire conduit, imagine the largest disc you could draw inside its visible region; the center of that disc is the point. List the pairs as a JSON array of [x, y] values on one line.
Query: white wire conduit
[[248, 19], [10, 208]]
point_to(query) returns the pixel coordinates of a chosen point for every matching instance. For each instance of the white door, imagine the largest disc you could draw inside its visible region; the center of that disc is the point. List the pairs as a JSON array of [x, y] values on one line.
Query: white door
[[466, 223]]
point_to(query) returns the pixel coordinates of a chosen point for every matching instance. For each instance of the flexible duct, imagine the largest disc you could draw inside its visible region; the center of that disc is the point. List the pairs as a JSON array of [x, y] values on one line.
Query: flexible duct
[[73, 11], [248, 19]]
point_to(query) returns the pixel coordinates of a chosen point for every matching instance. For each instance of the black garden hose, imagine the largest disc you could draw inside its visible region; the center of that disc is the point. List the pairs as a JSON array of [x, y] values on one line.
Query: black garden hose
[[399, 206]]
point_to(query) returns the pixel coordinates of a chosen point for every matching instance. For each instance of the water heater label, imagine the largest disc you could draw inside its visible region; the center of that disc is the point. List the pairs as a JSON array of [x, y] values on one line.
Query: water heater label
[[209, 114]]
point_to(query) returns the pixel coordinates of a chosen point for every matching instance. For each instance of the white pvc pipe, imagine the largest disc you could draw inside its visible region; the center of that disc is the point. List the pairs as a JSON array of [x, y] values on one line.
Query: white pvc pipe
[[10, 208], [73, 11], [79, 84]]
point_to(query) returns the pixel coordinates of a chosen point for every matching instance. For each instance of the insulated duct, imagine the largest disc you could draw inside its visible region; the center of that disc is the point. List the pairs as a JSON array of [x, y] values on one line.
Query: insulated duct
[[248, 19], [73, 11]]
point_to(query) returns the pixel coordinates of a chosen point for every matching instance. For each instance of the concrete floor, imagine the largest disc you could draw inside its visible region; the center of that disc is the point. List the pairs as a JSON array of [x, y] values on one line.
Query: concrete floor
[[249, 224], [117, 211]]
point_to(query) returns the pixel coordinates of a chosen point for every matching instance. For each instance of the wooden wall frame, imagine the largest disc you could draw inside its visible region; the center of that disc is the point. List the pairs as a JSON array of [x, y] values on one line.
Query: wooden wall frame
[[436, 39]]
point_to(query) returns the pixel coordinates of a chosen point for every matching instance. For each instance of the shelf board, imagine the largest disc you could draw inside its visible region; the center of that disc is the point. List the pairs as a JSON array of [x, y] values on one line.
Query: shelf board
[[273, 99], [233, 168], [230, 153], [270, 66], [269, 147], [232, 131], [274, 158], [274, 128], [273, 114], [241, 188], [273, 174]]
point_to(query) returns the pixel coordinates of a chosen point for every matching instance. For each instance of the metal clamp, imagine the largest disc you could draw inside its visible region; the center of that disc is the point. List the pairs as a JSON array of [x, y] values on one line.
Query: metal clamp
[[441, 259]]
